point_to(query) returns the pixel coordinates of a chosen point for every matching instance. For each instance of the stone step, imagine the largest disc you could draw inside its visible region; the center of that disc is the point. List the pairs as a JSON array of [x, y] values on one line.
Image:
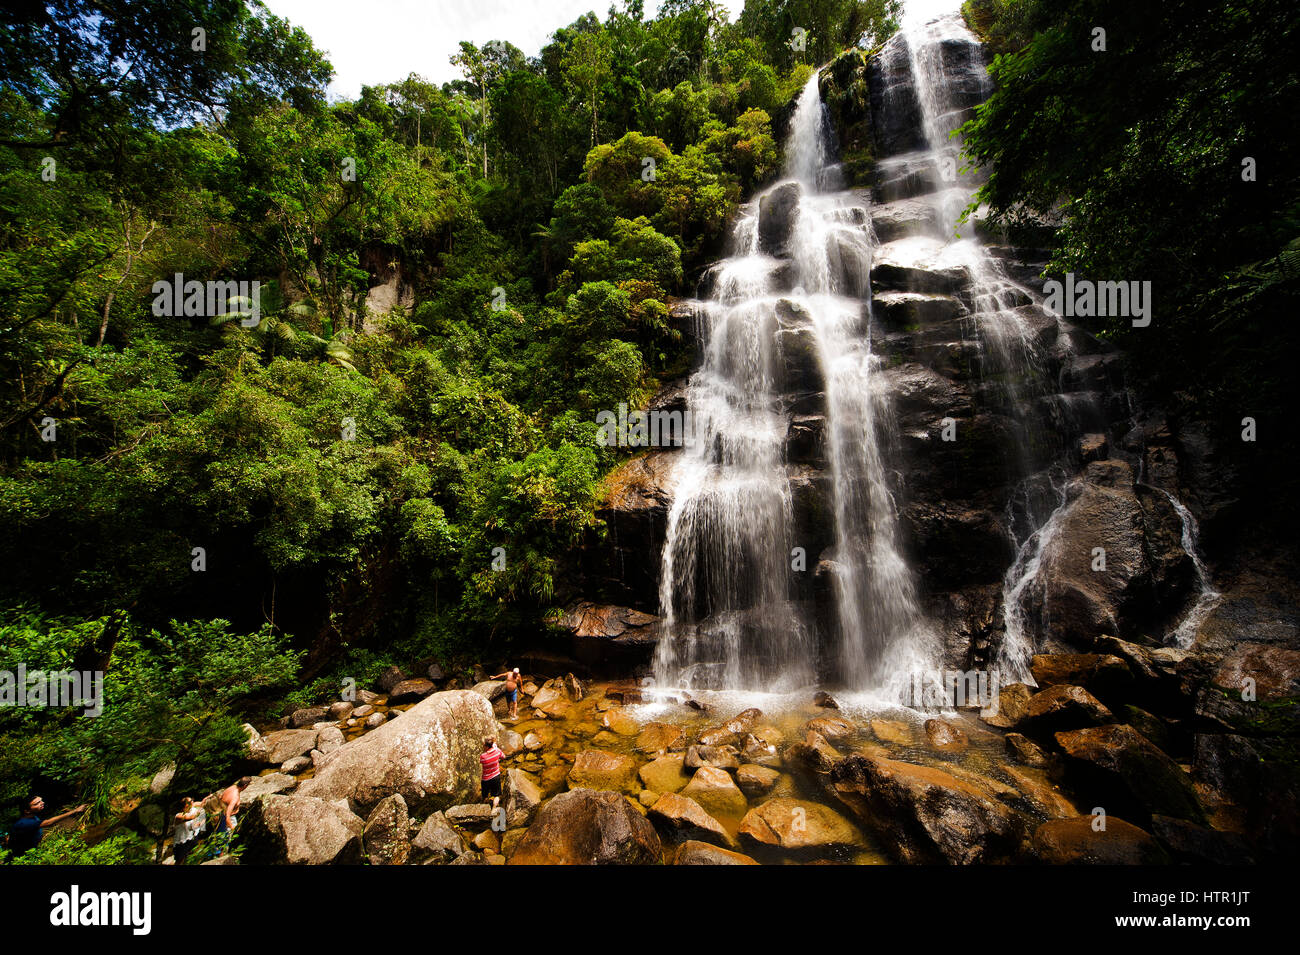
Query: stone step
[[907, 217], [903, 310], [916, 264]]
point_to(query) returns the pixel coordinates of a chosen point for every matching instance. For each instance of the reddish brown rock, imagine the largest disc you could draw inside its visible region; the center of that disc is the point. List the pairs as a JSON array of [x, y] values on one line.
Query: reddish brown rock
[[1013, 706], [830, 727], [660, 737], [1078, 842], [927, 815], [1065, 707], [946, 737], [598, 769], [687, 818], [1116, 767], [1101, 674], [1274, 672], [587, 827], [794, 824], [701, 853]]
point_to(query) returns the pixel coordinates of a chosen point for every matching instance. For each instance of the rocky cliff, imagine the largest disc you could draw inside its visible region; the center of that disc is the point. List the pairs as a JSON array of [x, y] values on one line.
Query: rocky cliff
[[1009, 474]]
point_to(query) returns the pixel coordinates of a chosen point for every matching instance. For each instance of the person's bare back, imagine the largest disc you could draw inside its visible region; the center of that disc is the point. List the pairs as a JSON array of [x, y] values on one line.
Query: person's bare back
[[230, 799]]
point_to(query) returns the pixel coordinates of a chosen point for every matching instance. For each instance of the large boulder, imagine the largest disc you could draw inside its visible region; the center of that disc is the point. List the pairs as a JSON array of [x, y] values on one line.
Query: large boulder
[[733, 731], [588, 827], [437, 841], [776, 214], [286, 744], [430, 756], [666, 774], [255, 747], [1064, 707], [522, 797], [408, 691], [701, 853], [719, 757], [660, 737], [491, 689], [387, 835], [793, 824], [473, 815], [553, 699], [924, 814], [511, 743], [716, 792], [1104, 675], [1083, 602], [1117, 768], [1079, 841], [267, 785], [598, 769], [685, 817], [300, 830], [308, 715]]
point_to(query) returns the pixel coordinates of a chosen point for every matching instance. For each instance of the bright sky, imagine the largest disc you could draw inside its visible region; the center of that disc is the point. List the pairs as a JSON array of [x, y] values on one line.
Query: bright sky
[[381, 41]]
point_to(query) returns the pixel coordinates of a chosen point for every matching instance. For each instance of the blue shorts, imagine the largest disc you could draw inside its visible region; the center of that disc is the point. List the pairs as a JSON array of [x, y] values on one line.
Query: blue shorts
[[512, 695]]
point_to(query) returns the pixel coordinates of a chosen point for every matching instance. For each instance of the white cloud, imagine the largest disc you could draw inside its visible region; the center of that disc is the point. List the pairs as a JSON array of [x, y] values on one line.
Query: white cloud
[[381, 41]]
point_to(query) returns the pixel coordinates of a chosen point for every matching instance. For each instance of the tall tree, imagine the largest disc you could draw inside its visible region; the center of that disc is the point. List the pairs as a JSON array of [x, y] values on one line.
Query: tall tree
[[587, 66]]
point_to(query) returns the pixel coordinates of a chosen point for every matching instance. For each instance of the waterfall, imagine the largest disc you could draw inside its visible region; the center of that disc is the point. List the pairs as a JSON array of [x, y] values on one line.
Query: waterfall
[[783, 569], [1208, 598], [788, 328], [1003, 319]]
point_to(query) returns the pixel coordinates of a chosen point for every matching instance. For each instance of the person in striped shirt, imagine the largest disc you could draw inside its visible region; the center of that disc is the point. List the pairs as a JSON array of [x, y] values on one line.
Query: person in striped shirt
[[491, 758]]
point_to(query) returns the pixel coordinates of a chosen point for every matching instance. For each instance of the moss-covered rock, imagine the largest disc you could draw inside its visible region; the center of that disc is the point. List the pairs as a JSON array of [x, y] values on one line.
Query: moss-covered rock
[[844, 90]]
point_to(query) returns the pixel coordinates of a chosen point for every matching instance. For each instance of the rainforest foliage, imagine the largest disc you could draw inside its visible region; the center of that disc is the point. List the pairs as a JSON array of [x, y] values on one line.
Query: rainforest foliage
[[453, 280], [1166, 144]]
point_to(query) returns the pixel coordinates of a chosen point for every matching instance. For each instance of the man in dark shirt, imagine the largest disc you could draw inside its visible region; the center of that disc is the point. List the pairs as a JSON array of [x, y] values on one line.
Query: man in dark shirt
[[26, 833]]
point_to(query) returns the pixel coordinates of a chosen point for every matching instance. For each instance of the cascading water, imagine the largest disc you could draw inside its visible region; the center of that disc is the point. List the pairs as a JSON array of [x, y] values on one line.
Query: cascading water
[[727, 584], [1004, 321], [789, 335], [1001, 317], [1208, 598]]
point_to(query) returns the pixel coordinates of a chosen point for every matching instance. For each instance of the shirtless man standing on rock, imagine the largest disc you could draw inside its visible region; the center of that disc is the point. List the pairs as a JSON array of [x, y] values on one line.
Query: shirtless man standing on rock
[[512, 691], [229, 810]]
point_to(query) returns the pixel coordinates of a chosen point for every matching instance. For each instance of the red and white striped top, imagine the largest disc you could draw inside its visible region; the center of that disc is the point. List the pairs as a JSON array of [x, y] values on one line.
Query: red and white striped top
[[491, 761]]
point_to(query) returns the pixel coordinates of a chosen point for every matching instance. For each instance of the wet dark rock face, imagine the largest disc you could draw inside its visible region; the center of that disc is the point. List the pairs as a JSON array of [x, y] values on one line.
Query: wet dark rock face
[[969, 429]]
